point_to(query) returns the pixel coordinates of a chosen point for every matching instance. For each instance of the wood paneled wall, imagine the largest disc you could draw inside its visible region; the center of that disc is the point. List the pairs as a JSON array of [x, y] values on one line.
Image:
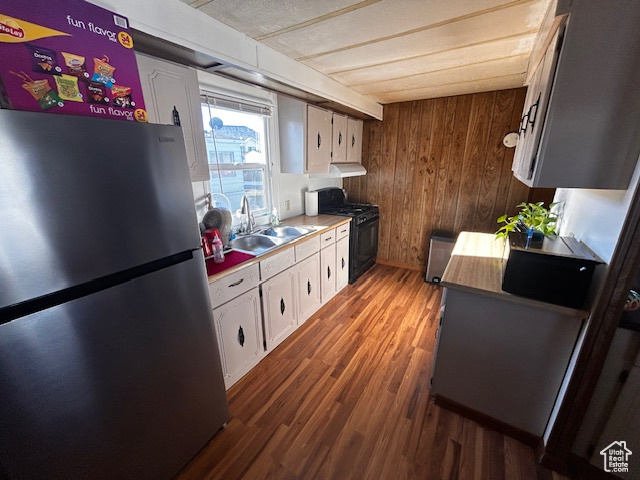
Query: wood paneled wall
[[439, 164]]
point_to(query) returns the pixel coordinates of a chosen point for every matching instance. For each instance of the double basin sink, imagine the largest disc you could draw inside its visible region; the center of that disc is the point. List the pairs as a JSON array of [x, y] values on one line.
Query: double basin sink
[[267, 239]]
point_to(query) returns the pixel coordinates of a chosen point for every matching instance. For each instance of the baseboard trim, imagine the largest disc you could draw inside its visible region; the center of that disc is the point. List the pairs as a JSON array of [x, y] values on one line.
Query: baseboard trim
[[407, 266], [488, 421]]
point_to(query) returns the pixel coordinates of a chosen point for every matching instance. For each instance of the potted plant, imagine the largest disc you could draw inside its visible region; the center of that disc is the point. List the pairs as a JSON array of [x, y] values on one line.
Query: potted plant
[[533, 219]]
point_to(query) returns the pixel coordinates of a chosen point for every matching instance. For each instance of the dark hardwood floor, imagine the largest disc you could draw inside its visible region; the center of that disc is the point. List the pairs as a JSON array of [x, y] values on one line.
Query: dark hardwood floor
[[347, 397]]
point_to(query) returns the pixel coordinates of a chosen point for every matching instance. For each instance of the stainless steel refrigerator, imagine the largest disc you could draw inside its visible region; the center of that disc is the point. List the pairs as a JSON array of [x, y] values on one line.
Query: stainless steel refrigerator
[[109, 364]]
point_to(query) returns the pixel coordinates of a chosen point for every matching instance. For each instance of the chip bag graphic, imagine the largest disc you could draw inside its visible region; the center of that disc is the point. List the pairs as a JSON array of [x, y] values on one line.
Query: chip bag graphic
[[44, 59], [103, 72], [75, 65], [40, 90], [68, 88]]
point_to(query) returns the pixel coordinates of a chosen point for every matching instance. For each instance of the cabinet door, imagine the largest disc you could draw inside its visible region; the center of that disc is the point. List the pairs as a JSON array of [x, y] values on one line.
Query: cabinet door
[[166, 85], [535, 112], [339, 139], [328, 273], [308, 287], [524, 132], [239, 328], [342, 263], [354, 140], [318, 140], [278, 302]]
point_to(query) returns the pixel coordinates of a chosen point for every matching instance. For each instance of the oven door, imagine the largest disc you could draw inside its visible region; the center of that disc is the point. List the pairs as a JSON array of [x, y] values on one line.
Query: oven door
[[364, 248]]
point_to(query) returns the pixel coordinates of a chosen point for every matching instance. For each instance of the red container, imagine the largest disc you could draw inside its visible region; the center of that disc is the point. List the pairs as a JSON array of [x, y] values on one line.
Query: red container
[[206, 247]]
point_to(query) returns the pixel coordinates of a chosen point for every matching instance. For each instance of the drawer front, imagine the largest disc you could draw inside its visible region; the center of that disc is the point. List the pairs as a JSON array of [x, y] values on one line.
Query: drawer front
[[234, 284], [342, 231], [307, 248], [328, 238], [276, 264]]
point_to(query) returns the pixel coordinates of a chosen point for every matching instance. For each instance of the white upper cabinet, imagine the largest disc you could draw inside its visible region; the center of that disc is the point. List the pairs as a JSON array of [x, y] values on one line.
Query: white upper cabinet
[[305, 137], [354, 140], [165, 86], [535, 109], [319, 139], [580, 123], [339, 142]]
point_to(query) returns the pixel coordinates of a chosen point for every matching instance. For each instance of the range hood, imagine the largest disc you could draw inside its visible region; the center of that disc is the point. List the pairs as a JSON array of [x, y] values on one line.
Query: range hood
[[342, 170]]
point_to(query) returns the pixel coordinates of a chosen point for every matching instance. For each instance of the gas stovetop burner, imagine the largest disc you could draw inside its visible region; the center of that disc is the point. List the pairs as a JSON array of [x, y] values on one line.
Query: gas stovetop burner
[[349, 209]]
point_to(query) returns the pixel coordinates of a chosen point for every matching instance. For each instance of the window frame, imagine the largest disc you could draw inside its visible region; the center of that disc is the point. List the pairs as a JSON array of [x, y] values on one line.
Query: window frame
[[216, 86]]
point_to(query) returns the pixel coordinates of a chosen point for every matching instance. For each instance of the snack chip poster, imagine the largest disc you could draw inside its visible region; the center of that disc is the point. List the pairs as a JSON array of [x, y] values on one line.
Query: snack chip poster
[[69, 57]]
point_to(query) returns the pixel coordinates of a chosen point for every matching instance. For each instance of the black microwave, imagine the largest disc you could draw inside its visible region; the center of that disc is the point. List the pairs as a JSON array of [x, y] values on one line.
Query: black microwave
[[551, 269]]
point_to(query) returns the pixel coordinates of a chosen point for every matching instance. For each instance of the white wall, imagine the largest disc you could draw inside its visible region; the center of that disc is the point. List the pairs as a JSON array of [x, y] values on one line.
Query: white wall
[[292, 188], [595, 217]]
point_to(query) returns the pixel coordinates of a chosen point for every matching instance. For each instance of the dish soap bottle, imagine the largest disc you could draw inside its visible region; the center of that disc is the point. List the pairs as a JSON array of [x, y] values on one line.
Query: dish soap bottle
[[218, 254], [275, 220]]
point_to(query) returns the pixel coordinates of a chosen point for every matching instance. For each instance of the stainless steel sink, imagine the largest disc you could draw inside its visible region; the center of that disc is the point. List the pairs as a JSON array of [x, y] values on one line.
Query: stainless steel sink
[[256, 244], [286, 232], [268, 239]]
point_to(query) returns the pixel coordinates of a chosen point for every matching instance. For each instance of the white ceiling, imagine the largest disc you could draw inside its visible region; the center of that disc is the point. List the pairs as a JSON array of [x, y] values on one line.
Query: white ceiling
[[396, 50]]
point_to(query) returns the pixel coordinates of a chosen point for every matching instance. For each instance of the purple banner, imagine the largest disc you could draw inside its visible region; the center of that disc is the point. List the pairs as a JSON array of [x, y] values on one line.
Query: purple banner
[[68, 57]]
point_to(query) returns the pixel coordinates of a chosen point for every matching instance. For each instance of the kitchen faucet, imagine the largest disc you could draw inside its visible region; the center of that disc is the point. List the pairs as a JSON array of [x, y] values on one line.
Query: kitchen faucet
[[246, 210]]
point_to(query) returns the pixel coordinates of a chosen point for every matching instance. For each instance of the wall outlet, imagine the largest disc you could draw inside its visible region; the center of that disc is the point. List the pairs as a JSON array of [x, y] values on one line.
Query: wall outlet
[[287, 205]]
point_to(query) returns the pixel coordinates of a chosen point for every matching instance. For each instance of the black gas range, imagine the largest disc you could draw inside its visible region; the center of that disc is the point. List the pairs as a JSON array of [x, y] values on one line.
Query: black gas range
[[363, 234]]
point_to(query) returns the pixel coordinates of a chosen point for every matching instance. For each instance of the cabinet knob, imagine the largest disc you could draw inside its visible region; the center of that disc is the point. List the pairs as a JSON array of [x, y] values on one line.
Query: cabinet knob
[[176, 117], [328, 271], [241, 336], [353, 140], [339, 138], [343, 262], [282, 306], [308, 287], [319, 140]]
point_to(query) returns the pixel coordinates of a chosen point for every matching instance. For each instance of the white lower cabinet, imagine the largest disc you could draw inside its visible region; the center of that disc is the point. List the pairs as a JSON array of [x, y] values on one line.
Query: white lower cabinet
[[342, 263], [239, 329], [279, 307], [308, 287], [328, 273], [290, 286]]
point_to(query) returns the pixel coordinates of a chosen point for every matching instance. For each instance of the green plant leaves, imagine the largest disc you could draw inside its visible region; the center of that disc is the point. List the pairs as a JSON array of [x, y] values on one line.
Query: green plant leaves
[[531, 215]]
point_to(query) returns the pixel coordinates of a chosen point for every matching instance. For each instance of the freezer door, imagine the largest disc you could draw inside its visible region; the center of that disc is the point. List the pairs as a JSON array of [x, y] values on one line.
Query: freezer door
[[81, 198], [125, 383]]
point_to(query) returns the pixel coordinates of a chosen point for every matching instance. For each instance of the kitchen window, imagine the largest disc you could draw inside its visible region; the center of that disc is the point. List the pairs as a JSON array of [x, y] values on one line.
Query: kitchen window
[[236, 136]]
